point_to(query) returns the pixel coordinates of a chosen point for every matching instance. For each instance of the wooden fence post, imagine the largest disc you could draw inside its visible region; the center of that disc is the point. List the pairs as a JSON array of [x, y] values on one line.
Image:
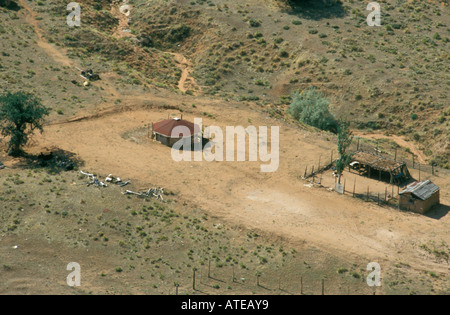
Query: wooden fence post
[[232, 280], [323, 286], [209, 268], [301, 285]]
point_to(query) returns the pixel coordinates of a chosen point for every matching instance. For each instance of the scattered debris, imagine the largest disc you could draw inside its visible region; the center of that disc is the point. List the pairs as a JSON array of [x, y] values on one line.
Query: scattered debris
[[89, 75], [94, 180], [109, 179], [156, 192]]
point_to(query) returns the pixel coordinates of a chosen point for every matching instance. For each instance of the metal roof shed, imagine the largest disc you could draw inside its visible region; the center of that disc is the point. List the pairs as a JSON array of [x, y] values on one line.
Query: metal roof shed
[[419, 196]]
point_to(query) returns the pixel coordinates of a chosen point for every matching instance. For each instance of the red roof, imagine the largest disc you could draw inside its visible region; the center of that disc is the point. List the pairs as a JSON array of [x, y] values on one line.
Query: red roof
[[166, 127]]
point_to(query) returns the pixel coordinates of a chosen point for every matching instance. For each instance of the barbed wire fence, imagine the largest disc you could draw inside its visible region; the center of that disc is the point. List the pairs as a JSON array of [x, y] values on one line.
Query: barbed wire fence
[[207, 280]]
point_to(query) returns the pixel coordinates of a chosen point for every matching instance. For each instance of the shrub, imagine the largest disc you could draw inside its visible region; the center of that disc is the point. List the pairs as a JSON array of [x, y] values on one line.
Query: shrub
[[254, 23], [311, 108]]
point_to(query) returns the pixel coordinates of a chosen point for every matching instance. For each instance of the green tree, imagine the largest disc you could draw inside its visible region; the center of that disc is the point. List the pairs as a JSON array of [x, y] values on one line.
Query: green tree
[[345, 138], [312, 108], [20, 115]]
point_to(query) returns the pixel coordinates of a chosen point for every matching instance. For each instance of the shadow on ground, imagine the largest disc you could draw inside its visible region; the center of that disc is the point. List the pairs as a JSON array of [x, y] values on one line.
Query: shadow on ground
[[316, 9], [54, 161], [438, 212], [10, 5]]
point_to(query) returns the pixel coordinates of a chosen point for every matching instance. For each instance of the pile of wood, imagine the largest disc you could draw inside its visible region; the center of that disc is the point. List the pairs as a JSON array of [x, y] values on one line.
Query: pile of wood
[[155, 192], [94, 180]]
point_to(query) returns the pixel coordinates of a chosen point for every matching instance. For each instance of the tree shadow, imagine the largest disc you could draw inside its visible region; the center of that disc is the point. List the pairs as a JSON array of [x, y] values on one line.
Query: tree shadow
[[287, 292], [213, 278], [438, 212], [316, 9], [9, 5], [54, 161]]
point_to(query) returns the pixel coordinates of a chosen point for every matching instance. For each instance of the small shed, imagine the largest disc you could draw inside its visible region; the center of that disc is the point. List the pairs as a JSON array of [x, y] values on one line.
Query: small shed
[[163, 131], [371, 164], [419, 196]]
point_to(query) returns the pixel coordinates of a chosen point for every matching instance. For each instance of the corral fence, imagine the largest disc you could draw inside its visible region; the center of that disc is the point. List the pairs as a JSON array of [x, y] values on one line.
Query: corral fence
[[388, 195], [208, 279], [398, 154], [327, 162]]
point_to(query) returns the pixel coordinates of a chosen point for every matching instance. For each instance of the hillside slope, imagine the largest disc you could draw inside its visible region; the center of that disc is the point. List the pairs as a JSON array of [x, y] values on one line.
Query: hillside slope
[[392, 78]]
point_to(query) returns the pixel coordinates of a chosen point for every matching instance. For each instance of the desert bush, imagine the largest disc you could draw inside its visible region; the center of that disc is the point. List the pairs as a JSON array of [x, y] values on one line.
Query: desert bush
[[312, 108], [254, 23]]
